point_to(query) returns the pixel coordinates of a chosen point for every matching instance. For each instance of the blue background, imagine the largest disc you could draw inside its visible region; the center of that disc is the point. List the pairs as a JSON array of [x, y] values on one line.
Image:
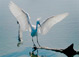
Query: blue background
[[60, 36]]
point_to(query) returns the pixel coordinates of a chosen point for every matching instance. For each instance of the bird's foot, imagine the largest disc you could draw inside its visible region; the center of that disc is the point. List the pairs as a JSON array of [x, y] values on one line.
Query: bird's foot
[[34, 49]]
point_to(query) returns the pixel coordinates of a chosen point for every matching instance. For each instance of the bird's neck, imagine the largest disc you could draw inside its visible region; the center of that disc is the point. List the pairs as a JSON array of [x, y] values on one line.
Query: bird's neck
[[36, 26]]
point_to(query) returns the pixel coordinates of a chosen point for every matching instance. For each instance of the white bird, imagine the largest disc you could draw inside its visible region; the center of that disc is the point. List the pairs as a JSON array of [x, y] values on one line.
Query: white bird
[[25, 25]]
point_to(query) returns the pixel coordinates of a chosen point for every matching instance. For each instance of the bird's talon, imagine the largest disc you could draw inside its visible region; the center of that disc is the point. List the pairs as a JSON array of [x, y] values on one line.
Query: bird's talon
[[34, 48]]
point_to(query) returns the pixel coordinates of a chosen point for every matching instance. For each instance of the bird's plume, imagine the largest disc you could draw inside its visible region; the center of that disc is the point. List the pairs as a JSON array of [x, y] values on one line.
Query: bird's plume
[[38, 19]]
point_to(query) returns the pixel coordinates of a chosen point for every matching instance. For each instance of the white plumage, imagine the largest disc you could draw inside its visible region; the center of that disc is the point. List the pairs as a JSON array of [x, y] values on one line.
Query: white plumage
[[20, 15], [24, 22], [50, 22]]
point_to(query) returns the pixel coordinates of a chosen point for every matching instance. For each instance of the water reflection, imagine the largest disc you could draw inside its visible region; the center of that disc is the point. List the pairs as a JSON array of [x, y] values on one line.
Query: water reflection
[[29, 52], [43, 52], [69, 51], [35, 55]]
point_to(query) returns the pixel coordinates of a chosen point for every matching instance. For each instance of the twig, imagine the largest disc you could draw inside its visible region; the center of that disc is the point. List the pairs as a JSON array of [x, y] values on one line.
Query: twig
[[69, 51]]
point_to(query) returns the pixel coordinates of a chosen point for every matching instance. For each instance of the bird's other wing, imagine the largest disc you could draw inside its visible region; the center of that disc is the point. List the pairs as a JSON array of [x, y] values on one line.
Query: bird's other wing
[[22, 19], [50, 22], [21, 16]]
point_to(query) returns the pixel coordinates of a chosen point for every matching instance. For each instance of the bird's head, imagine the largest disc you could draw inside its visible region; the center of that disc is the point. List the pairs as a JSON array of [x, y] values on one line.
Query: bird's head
[[38, 21]]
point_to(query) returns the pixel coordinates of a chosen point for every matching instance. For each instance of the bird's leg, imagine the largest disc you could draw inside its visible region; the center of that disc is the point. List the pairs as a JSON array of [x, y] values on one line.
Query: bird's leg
[[37, 41], [33, 43], [34, 46], [19, 37]]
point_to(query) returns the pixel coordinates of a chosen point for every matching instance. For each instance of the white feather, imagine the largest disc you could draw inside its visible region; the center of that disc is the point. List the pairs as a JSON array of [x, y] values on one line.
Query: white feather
[[50, 22], [20, 15], [24, 22], [22, 18]]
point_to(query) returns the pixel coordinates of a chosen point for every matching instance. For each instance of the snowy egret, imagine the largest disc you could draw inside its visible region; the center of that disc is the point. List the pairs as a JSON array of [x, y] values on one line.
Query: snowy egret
[[25, 25]]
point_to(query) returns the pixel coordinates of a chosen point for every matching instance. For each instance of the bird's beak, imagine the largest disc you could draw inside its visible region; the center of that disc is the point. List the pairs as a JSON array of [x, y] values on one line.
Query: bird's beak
[[40, 24]]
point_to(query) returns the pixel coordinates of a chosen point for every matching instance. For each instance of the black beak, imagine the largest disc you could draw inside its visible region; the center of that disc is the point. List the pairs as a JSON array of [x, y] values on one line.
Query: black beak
[[40, 24]]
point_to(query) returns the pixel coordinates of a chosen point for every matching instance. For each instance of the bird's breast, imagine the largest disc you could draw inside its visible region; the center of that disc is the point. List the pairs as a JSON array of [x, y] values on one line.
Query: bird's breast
[[33, 33]]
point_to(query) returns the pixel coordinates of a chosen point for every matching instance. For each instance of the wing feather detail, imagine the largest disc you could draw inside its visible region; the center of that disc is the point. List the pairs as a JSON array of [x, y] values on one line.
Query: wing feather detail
[[50, 22], [20, 15], [22, 20]]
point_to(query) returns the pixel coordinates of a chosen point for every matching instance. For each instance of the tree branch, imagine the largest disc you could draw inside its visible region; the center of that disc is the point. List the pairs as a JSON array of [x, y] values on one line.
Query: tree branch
[[52, 49], [69, 51]]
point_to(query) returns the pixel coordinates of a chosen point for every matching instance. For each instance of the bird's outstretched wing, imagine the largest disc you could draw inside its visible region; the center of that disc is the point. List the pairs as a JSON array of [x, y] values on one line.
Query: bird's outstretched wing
[[50, 22], [22, 18], [20, 15]]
